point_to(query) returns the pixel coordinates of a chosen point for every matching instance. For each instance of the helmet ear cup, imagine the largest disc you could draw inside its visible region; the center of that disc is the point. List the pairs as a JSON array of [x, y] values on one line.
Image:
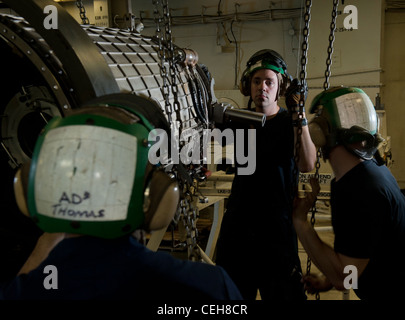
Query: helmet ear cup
[[318, 129], [161, 198], [285, 84], [244, 86], [21, 187]]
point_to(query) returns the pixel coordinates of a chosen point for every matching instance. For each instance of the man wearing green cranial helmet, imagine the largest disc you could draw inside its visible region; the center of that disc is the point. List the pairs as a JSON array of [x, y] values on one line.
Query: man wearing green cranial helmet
[[367, 205], [265, 59], [92, 190], [258, 213]]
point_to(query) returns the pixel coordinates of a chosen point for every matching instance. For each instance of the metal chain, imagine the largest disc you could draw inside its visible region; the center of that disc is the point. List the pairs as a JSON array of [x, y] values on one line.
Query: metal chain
[[325, 86], [316, 176], [83, 16], [171, 54], [330, 46], [187, 209], [304, 47], [303, 86], [313, 212], [301, 105], [162, 56], [189, 215]]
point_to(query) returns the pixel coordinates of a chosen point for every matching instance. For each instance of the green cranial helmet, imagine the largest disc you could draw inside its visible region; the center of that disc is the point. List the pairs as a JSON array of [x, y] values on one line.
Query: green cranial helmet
[[345, 116], [88, 171]]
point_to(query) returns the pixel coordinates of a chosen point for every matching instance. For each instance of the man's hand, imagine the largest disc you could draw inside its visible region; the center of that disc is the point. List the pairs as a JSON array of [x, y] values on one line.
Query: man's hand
[[314, 283], [293, 95], [302, 206]]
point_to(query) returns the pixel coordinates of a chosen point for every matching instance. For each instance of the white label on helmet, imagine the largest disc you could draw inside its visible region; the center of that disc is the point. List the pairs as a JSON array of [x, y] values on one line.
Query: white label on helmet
[[85, 173], [356, 108]]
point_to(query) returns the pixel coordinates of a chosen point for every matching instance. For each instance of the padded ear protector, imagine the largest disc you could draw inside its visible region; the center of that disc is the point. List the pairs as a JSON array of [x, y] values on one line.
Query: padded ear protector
[[320, 131], [283, 84], [317, 131], [318, 127], [21, 187], [244, 85], [161, 198]]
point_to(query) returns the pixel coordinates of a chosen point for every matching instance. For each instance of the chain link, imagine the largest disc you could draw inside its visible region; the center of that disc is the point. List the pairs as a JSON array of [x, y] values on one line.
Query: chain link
[[82, 9], [330, 46]]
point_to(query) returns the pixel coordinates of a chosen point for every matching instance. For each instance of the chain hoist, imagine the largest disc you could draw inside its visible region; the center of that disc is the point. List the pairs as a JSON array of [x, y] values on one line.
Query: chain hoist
[[187, 211], [82, 9]]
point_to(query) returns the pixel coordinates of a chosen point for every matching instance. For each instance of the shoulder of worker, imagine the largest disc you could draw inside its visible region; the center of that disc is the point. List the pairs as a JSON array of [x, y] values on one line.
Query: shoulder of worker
[[209, 280]]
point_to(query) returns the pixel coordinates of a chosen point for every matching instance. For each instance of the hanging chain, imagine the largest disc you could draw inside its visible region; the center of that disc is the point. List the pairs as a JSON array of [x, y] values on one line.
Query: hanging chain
[[171, 54], [303, 73], [188, 216], [162, 56], [313, 212], [330, 47], [326, 86], [301, 104], [83, 16], [303, 86], [187, 211]]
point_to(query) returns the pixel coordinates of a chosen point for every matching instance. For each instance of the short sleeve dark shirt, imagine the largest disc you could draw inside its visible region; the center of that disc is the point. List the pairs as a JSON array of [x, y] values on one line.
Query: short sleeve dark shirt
[[267, 193], [260, 204], [368, 217]]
